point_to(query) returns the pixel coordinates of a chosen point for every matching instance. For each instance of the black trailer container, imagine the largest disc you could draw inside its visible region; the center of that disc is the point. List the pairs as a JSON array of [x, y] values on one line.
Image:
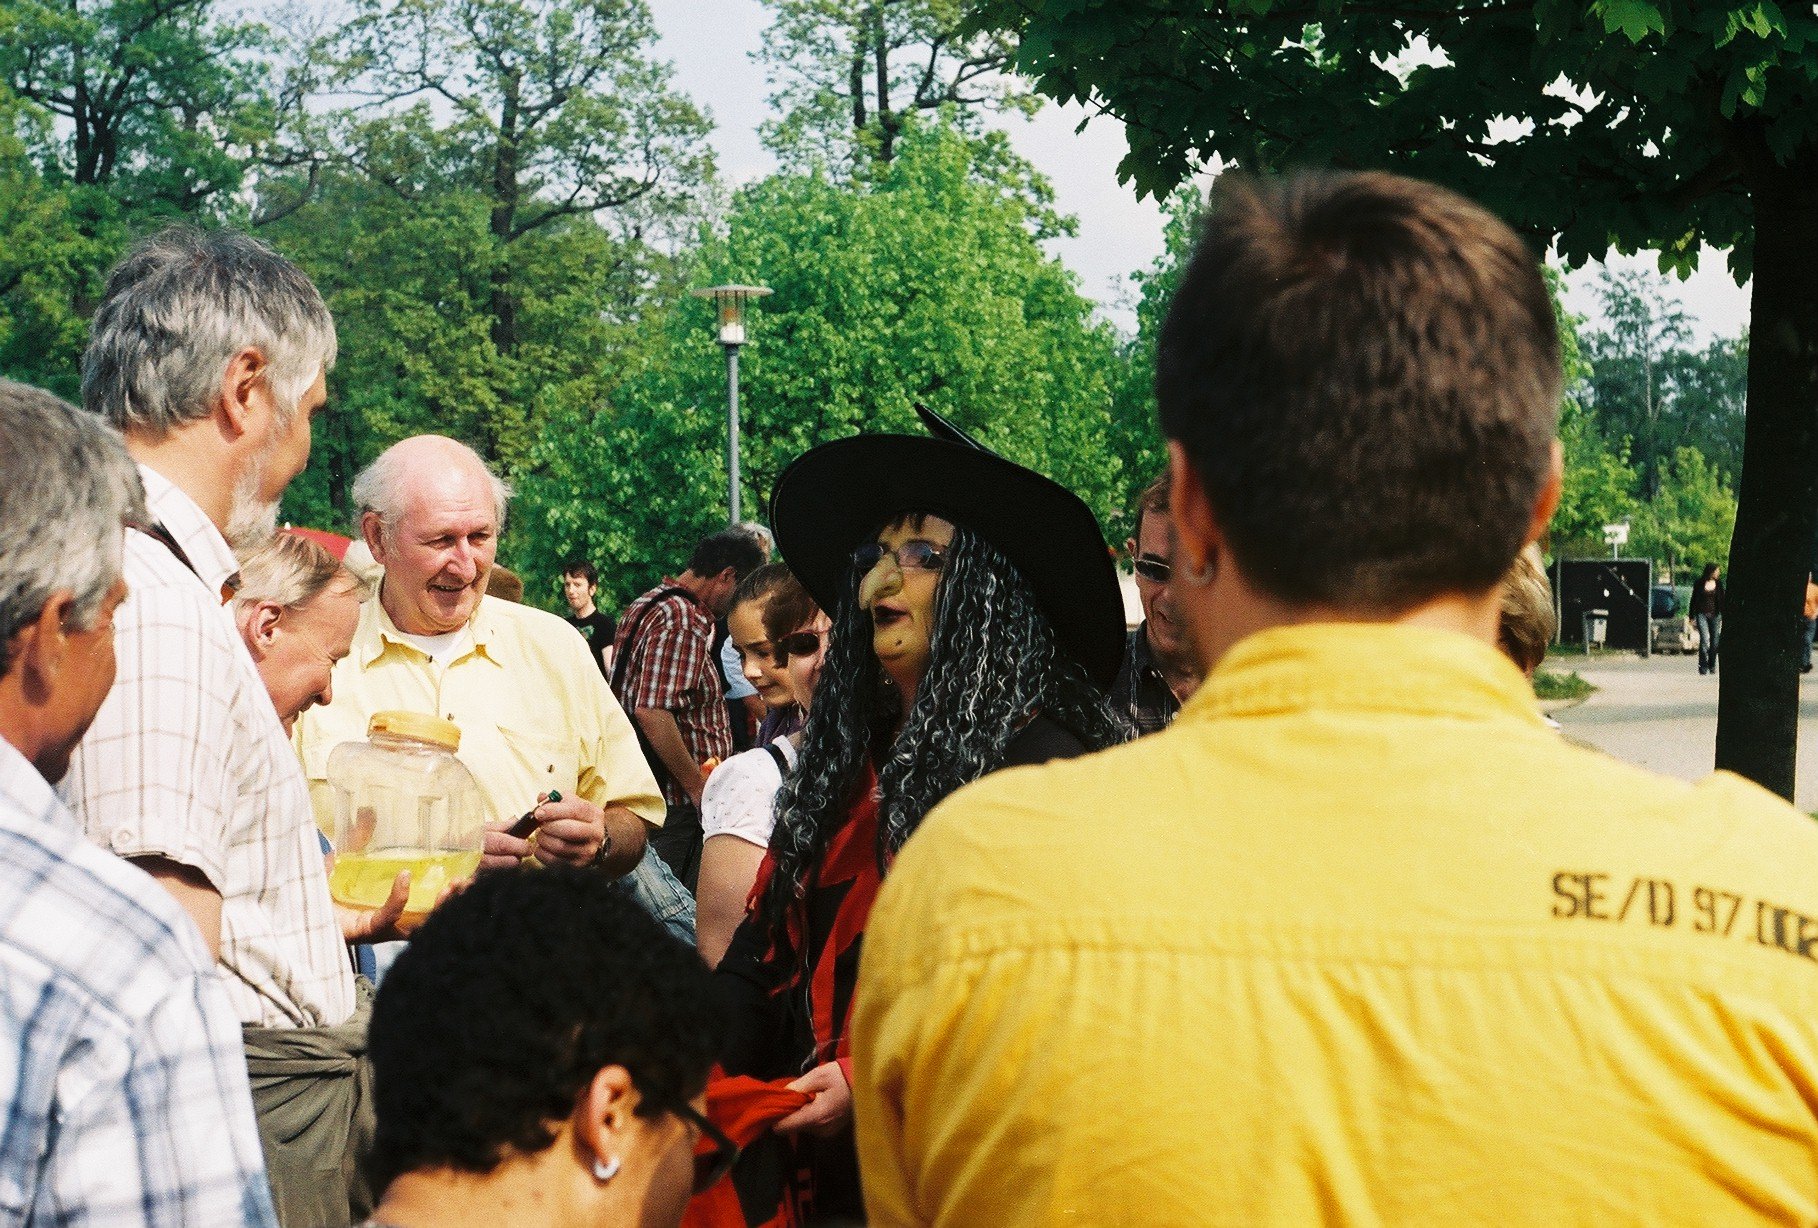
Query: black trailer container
[[1620, 588]]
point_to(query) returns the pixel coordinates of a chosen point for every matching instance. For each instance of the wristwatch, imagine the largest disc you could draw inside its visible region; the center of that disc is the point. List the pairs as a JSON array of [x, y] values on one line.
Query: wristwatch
[[605, 850]]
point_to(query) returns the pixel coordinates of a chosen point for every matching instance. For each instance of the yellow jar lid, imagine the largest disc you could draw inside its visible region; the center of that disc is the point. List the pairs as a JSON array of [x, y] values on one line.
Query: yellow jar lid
[[418, 726]]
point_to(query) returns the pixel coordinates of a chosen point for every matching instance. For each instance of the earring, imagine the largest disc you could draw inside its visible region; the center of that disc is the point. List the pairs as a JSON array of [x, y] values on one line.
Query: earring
[[605, 1170]]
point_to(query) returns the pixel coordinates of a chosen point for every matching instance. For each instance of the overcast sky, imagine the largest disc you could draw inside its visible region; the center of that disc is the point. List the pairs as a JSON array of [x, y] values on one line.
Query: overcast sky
[[710, 42]]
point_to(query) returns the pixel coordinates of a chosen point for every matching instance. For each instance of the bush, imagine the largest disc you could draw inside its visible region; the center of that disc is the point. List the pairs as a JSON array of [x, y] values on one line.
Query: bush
[[1550, 684]]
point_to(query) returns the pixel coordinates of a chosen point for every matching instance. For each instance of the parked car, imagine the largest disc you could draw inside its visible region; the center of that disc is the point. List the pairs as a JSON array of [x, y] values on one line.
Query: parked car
[[1670, 630]]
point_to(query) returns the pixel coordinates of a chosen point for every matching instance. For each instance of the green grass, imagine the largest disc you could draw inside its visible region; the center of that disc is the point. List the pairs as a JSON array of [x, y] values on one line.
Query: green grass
[[1551, 684]]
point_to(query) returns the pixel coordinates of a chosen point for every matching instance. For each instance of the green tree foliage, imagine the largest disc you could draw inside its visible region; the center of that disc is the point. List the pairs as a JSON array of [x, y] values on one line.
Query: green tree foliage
[[115, 115], [1635, 124], [1599, 486], [410, 283], [489, 221], [49, 269], [924, 283], [558, 111], [1689, 520], [847, 76], [1650, 386], [1685, 516], [1135, 434], [1710, 399], [161, 102], [1629, 385]]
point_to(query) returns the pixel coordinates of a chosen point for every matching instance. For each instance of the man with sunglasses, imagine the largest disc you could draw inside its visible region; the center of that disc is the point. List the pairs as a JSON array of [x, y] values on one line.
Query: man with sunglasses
[[1159, 671]]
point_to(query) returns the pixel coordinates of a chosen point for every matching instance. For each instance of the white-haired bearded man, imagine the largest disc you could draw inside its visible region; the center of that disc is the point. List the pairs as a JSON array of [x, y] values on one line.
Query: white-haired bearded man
[[210, 354]]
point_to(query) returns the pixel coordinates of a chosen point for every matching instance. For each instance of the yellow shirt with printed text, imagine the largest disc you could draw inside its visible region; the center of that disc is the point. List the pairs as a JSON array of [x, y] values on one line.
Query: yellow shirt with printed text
[[534, 712], [1358, 940]]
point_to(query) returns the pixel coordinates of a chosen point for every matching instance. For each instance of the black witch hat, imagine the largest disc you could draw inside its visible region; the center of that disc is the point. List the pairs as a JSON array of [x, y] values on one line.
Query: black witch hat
[[833, 498]]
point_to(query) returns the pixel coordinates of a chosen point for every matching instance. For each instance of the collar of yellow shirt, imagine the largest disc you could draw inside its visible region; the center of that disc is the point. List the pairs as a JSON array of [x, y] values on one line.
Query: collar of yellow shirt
[[386, 637], [1363, 667]]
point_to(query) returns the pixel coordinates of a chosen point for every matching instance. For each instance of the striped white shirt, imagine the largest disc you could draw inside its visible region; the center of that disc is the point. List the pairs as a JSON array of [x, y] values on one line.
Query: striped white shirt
[[121, 1075], [187, 760]]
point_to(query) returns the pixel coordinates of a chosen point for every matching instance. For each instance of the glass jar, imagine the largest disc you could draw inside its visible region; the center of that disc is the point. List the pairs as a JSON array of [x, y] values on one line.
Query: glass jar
[[403, 802]]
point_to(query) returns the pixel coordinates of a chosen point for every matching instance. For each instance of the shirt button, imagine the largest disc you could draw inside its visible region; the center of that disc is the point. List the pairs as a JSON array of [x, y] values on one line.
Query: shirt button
[[122, 836]]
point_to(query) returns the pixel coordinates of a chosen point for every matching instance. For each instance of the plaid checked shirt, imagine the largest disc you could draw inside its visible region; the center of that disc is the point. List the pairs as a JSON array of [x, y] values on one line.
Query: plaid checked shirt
[[187, 760], [123, 1081], [671, 666], [1140, 691]]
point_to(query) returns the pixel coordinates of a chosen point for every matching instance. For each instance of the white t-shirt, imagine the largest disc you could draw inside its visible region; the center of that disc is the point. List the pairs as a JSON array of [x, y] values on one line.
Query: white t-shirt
[[740, 798], [438, 648]]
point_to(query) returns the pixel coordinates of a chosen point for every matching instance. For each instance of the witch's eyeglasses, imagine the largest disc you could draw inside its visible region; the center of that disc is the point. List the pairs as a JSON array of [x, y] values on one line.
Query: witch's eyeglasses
[[915, 555]]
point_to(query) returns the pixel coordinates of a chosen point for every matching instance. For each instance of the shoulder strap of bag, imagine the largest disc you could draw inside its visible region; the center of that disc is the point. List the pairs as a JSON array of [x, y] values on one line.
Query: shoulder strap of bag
[[621, 664], [776, 753]]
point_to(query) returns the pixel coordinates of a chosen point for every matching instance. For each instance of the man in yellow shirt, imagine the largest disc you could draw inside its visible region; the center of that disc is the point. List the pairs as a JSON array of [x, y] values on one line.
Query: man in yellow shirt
[[536, 718], [1358, 939]]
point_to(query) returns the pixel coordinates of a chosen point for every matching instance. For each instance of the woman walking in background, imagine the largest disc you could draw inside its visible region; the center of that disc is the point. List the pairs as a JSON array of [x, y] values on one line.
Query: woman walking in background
[[1707, 616]]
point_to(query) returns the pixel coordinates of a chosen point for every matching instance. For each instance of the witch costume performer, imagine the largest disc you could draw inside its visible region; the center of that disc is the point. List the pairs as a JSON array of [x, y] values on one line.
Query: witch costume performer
[[977, 625]]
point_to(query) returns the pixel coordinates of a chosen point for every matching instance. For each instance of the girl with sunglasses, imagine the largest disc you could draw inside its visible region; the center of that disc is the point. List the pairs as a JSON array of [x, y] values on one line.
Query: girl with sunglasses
[[976, 624], [738, 807]]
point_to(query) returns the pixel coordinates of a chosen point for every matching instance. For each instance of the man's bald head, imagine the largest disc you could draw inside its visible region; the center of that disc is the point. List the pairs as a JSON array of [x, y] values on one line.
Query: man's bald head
[[431, 513], [385, 485]]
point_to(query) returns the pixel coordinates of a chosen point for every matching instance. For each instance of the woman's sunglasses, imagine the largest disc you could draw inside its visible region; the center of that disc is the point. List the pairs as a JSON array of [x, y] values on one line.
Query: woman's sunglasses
[[720, 1153], [801, 644], [910, 556]]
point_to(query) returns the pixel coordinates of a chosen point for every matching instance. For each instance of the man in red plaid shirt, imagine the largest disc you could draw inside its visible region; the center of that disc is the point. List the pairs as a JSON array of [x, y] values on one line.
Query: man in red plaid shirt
[[666, 674]]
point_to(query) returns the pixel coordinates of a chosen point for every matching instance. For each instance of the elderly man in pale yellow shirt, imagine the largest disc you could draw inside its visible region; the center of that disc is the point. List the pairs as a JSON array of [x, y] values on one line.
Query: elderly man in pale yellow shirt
[[535, 716], [530, 722], [1359, 939]]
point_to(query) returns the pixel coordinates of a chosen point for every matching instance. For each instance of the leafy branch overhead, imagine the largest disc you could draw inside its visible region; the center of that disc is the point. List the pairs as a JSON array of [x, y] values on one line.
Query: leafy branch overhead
[[1623, 124], [161, 103]]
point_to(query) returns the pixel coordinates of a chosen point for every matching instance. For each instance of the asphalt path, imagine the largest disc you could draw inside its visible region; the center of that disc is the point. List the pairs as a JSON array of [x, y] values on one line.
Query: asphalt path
[[1659, 713]]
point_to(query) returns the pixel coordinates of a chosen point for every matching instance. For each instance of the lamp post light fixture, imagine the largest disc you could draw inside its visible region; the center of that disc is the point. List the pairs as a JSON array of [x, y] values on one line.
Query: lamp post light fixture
[[730, 302]]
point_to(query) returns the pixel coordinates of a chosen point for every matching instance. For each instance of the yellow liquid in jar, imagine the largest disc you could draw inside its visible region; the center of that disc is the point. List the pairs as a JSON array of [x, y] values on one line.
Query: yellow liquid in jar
[[363, 880]]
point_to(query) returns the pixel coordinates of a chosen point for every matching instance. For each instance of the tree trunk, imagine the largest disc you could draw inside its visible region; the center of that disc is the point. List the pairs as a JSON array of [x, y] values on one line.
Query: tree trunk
[[887, 121], [505, 199], [855, 82], [1777, 504], [343, 463]]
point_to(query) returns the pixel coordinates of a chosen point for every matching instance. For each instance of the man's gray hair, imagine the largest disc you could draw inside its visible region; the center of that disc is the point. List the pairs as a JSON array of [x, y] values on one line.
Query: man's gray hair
[[67, 487], [178, 309], [380, 486]]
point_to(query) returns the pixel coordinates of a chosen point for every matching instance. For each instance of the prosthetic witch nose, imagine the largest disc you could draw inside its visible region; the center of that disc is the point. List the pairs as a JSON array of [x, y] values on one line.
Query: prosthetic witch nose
[[885, 579]]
